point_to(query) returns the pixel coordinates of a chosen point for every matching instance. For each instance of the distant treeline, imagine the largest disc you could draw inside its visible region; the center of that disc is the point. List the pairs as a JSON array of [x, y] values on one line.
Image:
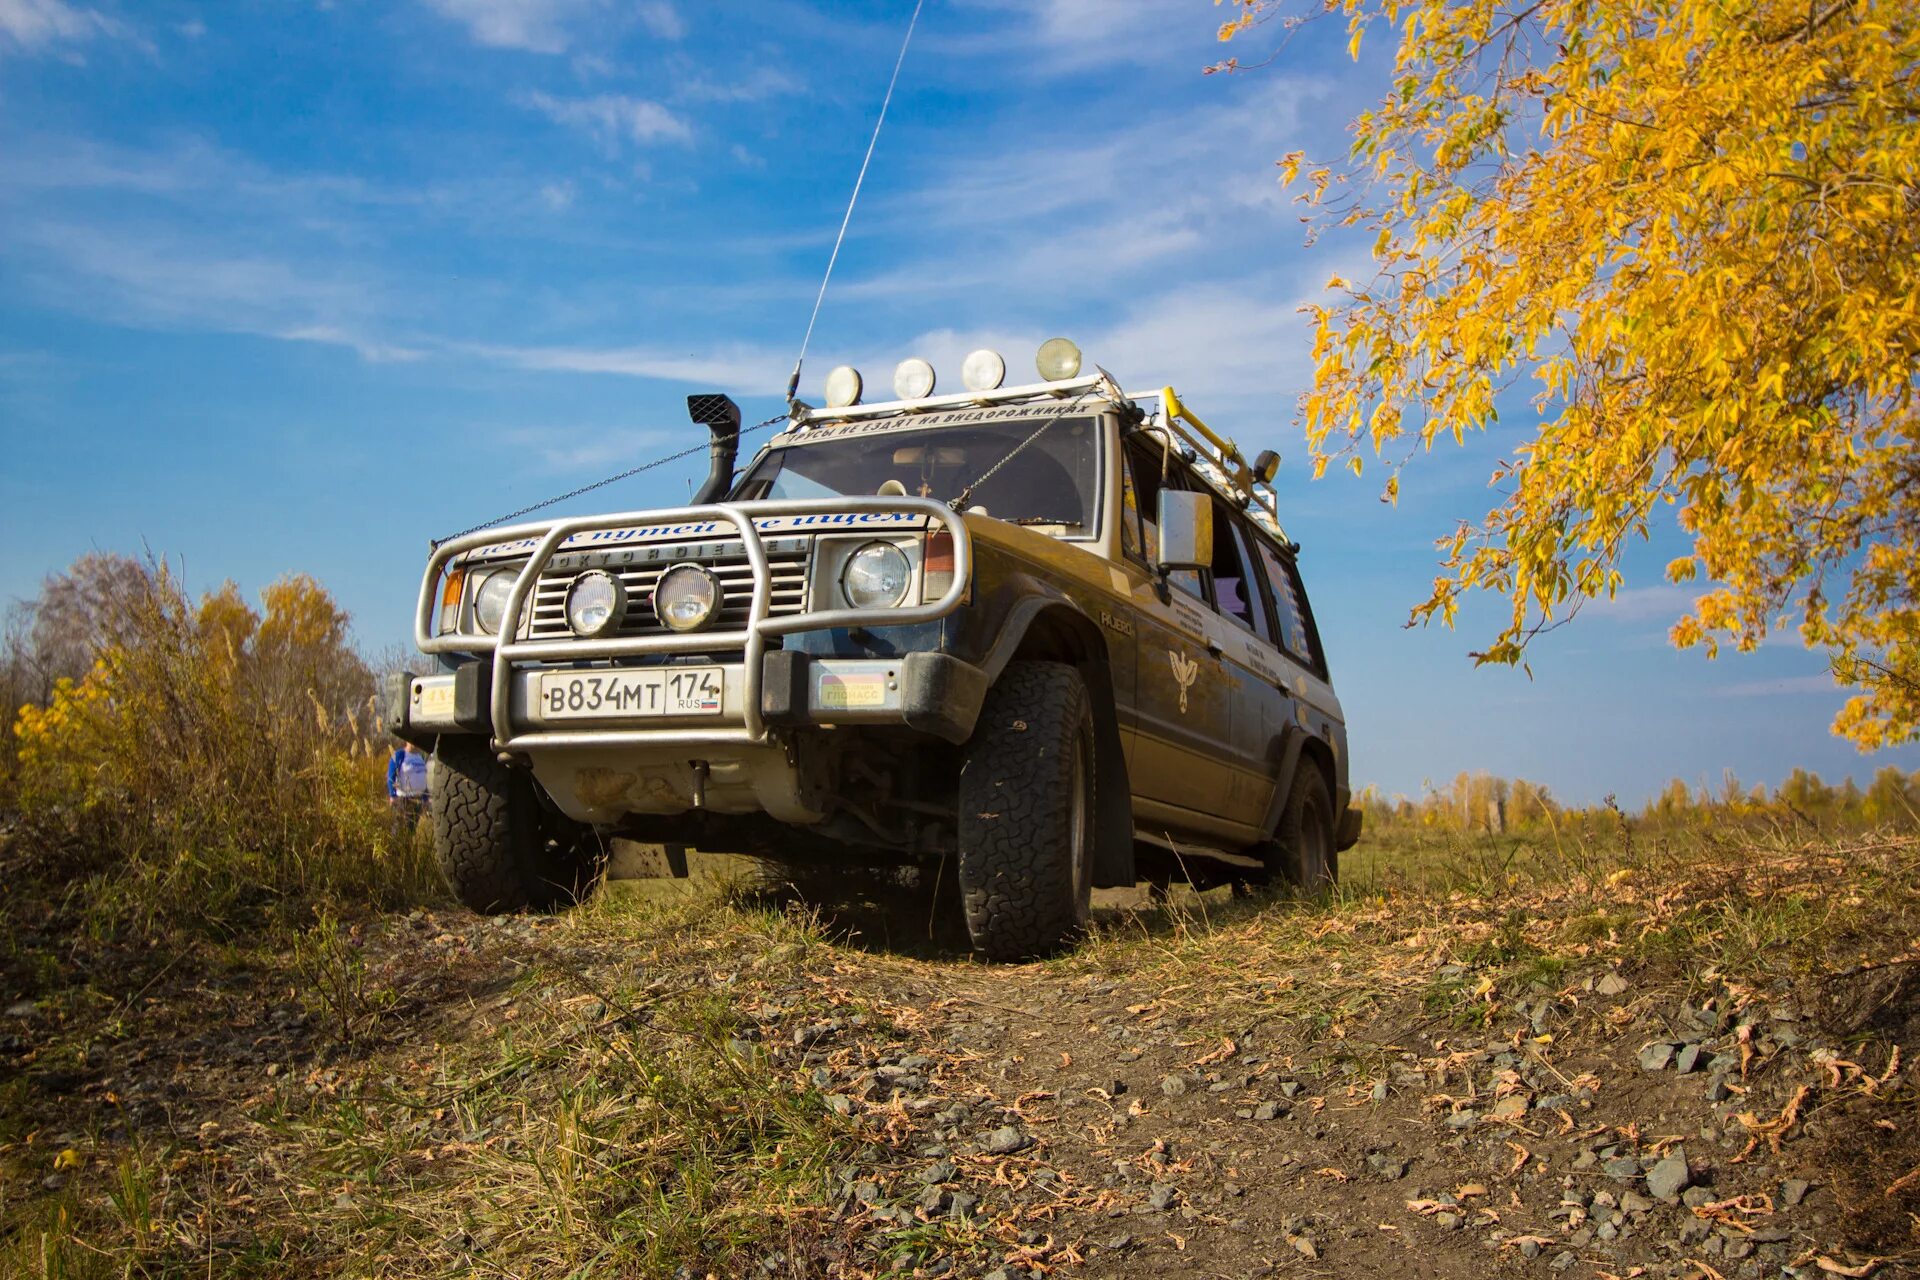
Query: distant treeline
[[1478, 803]]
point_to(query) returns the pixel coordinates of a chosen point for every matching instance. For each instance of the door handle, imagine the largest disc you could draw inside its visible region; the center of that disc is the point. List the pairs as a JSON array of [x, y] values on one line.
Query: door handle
[[1215, 650]]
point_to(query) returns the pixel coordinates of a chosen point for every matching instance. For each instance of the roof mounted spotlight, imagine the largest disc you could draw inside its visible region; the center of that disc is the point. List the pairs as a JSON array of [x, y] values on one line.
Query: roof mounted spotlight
[[843, 387], [913, 379], [1266, 466], [1059, 359], [983, 370]]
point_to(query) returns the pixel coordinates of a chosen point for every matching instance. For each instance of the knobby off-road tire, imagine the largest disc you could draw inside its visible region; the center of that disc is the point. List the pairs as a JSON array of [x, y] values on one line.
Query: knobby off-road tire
[[499, 849], [1302, 854], [1026, 820]]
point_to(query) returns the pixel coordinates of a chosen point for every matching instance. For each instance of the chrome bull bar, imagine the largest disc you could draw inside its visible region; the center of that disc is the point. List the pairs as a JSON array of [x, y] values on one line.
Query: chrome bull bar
[[752, 639]]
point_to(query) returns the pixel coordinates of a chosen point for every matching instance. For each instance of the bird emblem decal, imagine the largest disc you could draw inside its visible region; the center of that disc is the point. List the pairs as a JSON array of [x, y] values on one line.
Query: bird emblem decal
[[1185, 671]]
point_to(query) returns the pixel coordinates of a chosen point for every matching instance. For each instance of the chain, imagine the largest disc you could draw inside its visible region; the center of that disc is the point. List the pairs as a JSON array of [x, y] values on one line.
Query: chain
[[966, 494], [624, 475]]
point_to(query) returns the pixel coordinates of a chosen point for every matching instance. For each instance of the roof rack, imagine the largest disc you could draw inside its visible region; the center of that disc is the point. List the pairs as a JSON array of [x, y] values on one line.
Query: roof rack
[[1220, 462], [805, 415]]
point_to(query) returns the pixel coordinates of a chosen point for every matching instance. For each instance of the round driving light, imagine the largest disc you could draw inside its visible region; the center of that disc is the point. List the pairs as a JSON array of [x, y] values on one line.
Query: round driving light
[[876, 577], [687, 598], [1059, 360], [912, 378], [983, 370], [843, 387], [596, 604], [490, 601]]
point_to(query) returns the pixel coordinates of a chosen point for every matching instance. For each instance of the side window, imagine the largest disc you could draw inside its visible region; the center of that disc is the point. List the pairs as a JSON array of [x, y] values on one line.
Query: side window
[[1238, 592], [1143, 466], [1290, 606]]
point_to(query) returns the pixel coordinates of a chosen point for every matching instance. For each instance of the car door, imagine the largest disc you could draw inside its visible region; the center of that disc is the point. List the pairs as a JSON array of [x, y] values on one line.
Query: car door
[[1312, 705], [1182, 708], [1261, 701]]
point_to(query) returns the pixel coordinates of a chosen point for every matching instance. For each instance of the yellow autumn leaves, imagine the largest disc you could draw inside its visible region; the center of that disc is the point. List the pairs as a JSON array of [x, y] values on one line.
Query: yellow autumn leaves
[[1694, 228]]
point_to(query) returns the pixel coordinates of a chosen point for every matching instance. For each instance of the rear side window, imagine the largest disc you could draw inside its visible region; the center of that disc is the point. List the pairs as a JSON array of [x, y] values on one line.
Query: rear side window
[[1289, 606], [1238, 593]]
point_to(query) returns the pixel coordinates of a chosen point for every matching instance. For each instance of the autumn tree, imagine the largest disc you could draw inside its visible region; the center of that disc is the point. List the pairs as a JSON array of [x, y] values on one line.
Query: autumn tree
[[80, 612], [1692, 229]]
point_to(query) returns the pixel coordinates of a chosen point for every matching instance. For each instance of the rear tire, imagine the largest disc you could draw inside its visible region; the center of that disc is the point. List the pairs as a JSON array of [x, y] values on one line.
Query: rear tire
[[500, 850], [1026, 819], [1302, 854]]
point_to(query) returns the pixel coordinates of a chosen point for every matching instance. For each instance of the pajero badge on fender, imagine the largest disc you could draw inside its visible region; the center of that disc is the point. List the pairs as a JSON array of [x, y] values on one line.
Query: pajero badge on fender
[[927, 632]]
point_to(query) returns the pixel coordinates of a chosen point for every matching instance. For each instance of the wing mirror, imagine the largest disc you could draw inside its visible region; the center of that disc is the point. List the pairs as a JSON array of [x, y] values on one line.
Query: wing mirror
[[1186, 530]]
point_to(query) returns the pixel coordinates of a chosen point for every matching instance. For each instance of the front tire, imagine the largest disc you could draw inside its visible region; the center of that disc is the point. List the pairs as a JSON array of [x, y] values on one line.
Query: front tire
[[1027, 807], [500, 850]]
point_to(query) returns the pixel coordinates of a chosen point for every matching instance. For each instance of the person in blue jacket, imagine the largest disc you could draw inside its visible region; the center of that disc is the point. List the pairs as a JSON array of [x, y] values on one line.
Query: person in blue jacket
[[407, 781]]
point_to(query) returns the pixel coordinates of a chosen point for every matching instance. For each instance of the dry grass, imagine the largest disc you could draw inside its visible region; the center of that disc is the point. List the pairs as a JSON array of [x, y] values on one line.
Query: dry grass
[[1495, 917], [594, 1094]]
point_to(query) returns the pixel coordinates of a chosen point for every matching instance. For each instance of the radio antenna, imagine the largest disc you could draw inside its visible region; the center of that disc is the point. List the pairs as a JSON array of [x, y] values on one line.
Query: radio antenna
[[793, 383]]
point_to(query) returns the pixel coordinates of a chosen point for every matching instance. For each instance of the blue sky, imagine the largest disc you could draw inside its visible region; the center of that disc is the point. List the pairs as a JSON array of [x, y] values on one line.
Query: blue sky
[[298, 285]]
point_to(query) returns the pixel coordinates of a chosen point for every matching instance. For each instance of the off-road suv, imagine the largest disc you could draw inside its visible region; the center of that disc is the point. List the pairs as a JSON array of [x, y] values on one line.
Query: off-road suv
[[1050, 636]]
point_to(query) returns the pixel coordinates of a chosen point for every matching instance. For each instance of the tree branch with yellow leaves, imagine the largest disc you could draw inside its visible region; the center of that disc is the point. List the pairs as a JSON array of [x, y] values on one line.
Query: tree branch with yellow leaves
[[1695, 226]]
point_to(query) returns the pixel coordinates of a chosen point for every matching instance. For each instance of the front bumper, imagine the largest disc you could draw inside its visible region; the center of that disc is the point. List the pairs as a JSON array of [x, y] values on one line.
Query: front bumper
[[931, 693], [755, 638]]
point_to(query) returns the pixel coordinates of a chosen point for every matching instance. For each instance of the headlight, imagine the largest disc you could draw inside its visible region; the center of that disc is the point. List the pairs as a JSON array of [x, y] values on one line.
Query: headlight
[[596, 604], [686, 598], [490, 601], [876, 576]]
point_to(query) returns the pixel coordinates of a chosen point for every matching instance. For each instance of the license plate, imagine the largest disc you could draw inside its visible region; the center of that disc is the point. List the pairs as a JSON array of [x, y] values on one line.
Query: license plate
[[668, 691]]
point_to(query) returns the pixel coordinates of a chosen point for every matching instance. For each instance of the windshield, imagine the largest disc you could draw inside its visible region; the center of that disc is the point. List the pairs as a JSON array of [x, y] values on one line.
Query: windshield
[[1051, 482]]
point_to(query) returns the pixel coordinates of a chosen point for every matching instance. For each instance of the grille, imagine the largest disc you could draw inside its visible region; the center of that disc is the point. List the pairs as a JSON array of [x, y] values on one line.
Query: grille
[[641, 568]]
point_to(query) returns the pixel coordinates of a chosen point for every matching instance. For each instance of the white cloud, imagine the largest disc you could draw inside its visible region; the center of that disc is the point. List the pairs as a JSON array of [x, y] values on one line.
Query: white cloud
[[558, 196], [553, 26], [152, 278], [537, 26], [1822, 683], [753, 86], [662, 19], [34, 25], [751, 370], [1666, 602], [1074, 35], [578, 448], [612, 118], [372, 351]]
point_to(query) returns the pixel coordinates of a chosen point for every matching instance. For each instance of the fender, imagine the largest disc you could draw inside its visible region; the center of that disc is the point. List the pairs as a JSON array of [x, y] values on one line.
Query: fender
[[1289, 747], [1285, 750], [1042, 621]]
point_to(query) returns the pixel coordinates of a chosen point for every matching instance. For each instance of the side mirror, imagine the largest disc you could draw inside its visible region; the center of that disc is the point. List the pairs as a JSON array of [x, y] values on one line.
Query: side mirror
[[1186, 530]]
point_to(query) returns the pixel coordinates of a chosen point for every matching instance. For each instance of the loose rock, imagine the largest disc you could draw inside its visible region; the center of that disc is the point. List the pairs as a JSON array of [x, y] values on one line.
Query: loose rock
[[1006, 1141], [1666, 1180]]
